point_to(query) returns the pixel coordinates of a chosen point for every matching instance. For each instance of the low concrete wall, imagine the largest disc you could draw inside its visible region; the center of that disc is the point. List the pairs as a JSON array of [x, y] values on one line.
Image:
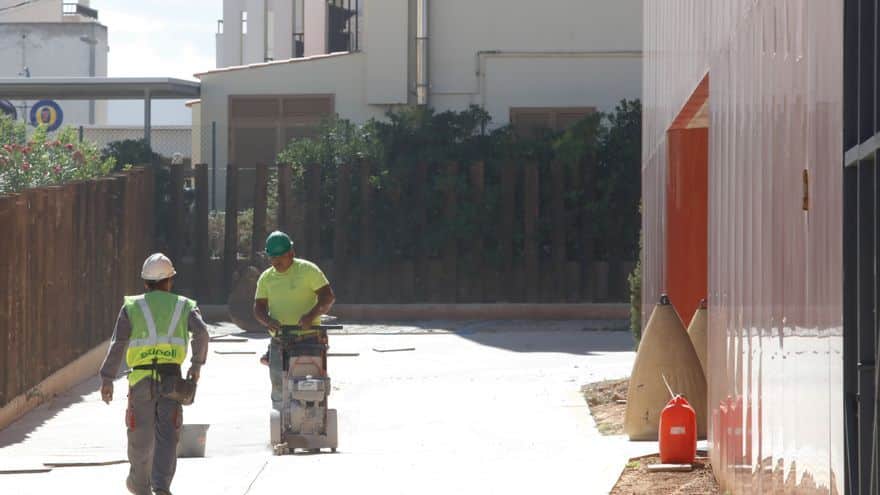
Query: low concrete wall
[[404, 312], [413, 312], [59, 382]]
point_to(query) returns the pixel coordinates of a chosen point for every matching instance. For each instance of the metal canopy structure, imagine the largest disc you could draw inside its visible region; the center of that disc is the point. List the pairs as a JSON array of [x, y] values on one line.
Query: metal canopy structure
[[101, 88]]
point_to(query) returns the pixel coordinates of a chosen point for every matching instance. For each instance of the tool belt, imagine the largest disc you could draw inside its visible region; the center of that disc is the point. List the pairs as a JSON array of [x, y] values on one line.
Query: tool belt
[[168, 381]]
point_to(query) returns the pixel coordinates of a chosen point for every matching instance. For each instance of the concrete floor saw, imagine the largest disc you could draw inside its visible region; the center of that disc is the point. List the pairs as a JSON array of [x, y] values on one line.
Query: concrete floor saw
[[304, 421]]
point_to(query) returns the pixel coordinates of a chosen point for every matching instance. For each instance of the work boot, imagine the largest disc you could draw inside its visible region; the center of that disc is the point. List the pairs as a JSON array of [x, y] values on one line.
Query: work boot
[[129, 485]]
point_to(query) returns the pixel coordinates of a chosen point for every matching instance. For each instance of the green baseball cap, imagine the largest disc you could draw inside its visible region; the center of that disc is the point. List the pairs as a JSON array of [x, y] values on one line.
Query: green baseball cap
[[278, 243]]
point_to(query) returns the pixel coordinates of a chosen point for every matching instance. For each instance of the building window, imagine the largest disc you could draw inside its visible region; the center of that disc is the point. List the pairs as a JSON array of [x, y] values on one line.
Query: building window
[[344, 19], [532, 121]]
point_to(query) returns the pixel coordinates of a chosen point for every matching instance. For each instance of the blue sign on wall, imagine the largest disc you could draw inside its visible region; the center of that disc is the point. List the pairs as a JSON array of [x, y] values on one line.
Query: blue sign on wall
[[48, 113]]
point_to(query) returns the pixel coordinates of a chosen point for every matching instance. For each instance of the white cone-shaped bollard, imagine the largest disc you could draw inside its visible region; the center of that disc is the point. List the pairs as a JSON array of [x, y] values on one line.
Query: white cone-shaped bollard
[[665, 350], [697, 333]]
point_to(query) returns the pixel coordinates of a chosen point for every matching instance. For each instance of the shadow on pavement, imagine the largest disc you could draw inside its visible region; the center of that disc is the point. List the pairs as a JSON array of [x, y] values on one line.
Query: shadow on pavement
[[570, 337], [567, 342], [20, 430]]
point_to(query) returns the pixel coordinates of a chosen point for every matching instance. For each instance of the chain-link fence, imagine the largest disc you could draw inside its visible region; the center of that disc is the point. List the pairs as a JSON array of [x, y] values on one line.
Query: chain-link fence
[[166, 141]]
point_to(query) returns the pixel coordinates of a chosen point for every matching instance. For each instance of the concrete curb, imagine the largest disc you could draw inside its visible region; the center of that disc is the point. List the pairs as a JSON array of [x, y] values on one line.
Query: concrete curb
[[82, 368], [423, 312]]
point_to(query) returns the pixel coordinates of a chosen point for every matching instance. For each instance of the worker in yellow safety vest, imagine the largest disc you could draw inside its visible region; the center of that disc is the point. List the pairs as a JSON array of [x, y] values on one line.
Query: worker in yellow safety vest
[[151, 333]]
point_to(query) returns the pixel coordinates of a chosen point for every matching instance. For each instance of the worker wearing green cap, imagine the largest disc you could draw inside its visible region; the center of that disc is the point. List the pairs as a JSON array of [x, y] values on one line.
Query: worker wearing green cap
[[291, 292]]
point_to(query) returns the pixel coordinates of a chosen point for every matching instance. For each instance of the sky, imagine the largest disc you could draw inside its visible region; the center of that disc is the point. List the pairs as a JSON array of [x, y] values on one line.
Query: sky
[[158, 38]]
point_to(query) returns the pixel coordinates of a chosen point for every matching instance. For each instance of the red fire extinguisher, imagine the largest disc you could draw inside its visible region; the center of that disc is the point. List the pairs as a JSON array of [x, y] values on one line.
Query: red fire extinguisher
[[678, 432]]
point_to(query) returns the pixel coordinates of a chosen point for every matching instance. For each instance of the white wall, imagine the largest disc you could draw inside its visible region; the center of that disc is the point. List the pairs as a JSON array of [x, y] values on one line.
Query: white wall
[[231, 37], [56, 50], [388, 53], [42, 11], [340, 75], [232, 51], [315, 27], [584, 71], [254, 41], [283, 12]]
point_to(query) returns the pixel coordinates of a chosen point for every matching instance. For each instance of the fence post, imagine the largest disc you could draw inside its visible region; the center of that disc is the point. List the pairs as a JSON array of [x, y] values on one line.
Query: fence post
[[36, 351], [367, 234], [450, 247], [505, 241], [341, 225], [311, 229], [230, 245], [420, 189], [177, 216], [261, 189], [587, 241], [530, 221], [478, 273], [203, 253], [7, 288], [284, 197], [560, 257], [393, 267]]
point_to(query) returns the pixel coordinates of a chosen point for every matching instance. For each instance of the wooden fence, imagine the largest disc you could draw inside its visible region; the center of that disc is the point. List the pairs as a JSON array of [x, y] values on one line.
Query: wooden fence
[[538, 248], [67, 256]]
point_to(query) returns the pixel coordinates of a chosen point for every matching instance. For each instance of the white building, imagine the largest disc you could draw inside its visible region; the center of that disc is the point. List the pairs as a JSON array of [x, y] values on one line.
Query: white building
[[285, 64], [54, 38]]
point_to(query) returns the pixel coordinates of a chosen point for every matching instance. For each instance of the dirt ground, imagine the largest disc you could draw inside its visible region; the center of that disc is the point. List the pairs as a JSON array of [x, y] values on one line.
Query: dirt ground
[[607, 401], [636, 480]]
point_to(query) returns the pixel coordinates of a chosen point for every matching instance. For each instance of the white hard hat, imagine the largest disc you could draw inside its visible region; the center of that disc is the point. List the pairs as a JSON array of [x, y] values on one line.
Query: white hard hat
[[157, 267]]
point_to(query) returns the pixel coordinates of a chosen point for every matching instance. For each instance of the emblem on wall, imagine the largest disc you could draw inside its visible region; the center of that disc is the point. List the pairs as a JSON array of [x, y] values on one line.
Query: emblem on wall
[[48, 113]]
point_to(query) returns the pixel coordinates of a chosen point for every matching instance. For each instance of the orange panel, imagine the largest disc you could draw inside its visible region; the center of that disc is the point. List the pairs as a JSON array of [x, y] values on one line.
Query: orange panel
[[686, 219]]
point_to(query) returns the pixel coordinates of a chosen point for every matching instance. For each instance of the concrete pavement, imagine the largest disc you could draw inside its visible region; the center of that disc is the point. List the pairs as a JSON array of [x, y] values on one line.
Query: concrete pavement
[[478, 407]]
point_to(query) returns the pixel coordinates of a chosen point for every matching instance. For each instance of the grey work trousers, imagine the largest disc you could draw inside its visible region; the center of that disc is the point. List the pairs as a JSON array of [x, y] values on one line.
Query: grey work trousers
[[153, 432]]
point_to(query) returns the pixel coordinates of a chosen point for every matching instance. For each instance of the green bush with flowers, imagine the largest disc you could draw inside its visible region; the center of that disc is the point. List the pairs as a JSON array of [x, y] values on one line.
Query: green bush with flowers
[[42, 159]]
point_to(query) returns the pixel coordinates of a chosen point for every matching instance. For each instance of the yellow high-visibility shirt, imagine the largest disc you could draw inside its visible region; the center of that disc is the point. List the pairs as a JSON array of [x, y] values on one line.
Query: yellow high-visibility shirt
[[291, 294]]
